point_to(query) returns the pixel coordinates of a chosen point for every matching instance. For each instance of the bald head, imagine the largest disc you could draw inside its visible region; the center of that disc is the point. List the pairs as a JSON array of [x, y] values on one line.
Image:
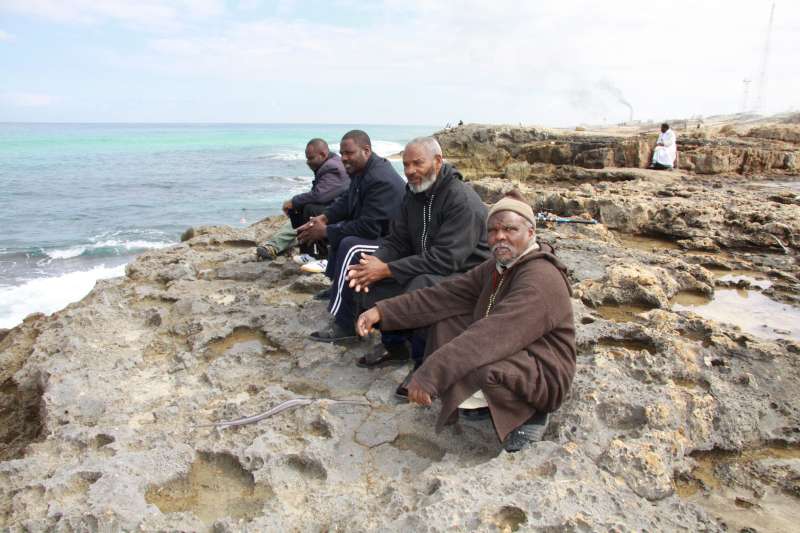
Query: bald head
[[316, 153]]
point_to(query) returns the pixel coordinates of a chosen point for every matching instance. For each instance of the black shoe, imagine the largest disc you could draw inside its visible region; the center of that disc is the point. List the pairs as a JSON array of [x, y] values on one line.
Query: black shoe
[[266, 253], [527, 433], [402, 390], [324, 294], [481, 413], [380, 355], [334, 333]]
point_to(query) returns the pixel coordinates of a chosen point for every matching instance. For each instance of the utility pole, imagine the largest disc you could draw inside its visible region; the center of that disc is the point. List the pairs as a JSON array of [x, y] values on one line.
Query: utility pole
[[762, 74]]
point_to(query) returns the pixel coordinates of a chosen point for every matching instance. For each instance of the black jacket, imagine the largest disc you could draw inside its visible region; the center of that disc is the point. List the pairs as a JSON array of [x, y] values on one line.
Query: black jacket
[[366, 207], [330, 180], [440, 231]]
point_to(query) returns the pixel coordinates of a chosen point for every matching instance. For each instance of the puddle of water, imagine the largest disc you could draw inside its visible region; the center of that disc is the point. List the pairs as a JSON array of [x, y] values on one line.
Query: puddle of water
[[217, 486], [240, 340], [753, 277], [738, 509], [621, 313], [645, 243], [753, 312]]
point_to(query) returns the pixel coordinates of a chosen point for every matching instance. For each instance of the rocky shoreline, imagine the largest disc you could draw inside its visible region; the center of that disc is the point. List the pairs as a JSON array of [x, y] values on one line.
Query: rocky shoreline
[[677, 421]]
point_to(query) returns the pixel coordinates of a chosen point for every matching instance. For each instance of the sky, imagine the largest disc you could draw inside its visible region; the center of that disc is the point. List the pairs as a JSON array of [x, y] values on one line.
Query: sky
[[552, 63]]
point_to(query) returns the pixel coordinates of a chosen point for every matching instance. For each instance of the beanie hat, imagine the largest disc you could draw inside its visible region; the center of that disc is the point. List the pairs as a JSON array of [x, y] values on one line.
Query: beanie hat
[[513, 201]]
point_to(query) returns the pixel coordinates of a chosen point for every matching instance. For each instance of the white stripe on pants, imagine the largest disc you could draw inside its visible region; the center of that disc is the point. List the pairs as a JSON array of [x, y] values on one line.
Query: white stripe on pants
[[343, 272]]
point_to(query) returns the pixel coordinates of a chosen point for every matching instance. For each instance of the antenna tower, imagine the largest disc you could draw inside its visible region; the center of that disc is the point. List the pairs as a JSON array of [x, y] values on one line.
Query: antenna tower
[[762, 74]]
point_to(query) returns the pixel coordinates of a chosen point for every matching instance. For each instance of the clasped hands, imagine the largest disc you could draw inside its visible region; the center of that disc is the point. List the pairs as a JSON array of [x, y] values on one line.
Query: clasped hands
[[367, 271], [314, 230]]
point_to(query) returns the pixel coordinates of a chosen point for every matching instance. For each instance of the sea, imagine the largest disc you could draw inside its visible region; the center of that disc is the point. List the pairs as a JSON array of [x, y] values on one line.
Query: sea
[[80, 201]]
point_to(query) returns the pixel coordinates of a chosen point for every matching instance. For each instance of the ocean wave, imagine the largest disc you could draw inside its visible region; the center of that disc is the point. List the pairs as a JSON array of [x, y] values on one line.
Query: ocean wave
[[106, 247], [47, 295], [286, 155], [382, 148]]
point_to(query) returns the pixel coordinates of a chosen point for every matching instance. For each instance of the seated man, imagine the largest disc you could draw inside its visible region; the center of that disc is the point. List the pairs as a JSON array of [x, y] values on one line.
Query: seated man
[[441, 231], [665, 150], [356, 219], [330, 180], [504, 329]]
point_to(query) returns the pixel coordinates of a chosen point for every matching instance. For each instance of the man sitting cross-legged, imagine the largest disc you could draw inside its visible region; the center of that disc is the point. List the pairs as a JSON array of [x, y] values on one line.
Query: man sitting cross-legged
[[441, 231], [503, 332], [330, 180]]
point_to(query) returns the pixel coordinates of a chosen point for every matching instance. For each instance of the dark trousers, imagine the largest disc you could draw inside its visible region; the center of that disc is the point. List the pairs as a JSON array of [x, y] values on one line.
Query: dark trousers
[[298, 217], [389, 288], [348, 252]]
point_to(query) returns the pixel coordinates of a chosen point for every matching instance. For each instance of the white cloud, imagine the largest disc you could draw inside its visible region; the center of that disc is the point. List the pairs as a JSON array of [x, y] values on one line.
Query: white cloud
[[6, 37], [27, 99], [147, 14]]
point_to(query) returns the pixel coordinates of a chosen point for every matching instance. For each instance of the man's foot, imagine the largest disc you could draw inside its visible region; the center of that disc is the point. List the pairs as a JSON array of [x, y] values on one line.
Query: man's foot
[[380, 355], [481, 413], [302, 259], [527, 433], [334, 333], [324, 294], [266, 253], [402, 390], [315, 267]]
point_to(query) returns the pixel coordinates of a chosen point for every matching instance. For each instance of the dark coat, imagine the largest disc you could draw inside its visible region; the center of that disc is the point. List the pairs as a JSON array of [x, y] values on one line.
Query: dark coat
[[330, 180], [368, 205], [441, 231], [525, 345]]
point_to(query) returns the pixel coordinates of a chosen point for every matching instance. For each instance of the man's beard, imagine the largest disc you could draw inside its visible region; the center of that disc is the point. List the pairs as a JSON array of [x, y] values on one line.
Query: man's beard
[[426, 183], [510, 258]]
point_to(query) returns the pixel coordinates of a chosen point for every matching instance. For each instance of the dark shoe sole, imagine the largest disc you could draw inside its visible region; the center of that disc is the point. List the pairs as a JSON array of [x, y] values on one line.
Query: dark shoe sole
[[481, 413], [386, 360], [333, 340]]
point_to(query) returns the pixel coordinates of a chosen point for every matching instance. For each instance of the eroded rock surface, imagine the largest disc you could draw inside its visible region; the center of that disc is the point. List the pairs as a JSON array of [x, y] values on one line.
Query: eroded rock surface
[[675, 422]]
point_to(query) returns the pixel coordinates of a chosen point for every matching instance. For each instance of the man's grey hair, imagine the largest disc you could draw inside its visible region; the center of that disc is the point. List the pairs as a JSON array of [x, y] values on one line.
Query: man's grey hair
[[430, 145]]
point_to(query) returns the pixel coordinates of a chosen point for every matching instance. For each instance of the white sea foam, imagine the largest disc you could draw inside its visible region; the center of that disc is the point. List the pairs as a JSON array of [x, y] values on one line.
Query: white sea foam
[[115, 244], [46, 295], [382, 148]]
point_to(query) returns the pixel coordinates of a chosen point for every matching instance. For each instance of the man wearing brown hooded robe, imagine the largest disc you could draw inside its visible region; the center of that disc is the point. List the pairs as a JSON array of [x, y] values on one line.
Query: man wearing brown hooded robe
[[504, 329]]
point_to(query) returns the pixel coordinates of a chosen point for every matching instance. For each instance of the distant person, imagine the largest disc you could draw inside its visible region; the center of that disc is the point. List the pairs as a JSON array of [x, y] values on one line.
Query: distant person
[[502, 336], [330, 180], [441, 231], [460, 122], [665, 150], [356, 221]]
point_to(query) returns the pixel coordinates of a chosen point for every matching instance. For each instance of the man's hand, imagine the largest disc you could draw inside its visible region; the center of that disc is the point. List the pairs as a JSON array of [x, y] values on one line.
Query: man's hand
[[313, 230], [287, 206], [369, 270], [417, 395], [367, 320]]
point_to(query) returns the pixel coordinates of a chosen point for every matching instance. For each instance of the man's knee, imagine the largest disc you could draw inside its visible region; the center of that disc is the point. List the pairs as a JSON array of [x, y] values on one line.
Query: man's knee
[[422, 281]]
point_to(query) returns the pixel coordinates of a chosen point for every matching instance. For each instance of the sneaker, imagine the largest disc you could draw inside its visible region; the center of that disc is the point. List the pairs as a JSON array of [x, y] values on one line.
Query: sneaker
[[302, 259], [315, 267], [527, 433], [266, 253], [334, 333]]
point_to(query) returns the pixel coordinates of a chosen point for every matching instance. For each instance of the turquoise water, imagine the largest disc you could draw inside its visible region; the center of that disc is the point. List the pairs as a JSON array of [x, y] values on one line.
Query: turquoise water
[[78, 201]]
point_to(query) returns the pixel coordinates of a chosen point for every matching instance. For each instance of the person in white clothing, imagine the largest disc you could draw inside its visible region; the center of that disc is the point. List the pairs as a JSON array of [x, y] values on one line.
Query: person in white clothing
[[665, 150]]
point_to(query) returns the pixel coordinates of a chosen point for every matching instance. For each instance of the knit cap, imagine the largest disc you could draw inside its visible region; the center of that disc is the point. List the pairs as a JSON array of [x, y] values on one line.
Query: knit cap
[[513, 201]]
